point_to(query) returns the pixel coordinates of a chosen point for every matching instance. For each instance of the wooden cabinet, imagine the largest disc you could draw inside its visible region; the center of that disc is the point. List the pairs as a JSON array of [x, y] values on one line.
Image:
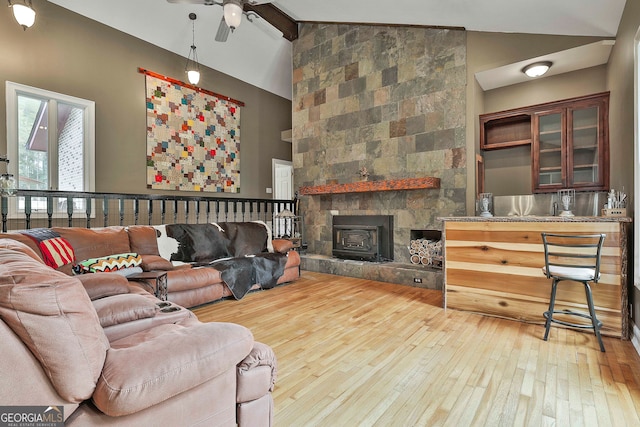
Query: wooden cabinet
[[571, 146], [569, 141]]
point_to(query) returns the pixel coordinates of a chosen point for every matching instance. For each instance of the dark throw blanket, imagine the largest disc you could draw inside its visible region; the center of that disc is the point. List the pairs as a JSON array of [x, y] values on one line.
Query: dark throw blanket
[[240, 274]]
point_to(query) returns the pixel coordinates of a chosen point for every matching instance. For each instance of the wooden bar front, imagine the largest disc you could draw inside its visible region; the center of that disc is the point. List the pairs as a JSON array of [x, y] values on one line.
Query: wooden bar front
[[494, 266]]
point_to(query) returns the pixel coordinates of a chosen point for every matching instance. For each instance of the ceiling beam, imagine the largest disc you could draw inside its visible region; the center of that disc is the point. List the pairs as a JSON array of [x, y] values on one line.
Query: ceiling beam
[[275, 17]]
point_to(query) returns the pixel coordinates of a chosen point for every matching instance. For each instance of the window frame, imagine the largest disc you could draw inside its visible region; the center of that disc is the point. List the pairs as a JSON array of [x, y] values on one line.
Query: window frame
[[13, 91]]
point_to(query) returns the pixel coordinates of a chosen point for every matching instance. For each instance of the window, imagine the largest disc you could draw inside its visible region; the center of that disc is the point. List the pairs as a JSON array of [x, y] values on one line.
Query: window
[[50, 142]]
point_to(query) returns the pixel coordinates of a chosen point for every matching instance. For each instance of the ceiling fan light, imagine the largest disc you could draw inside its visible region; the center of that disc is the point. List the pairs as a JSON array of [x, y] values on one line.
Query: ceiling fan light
[[233, 13], [537, 69], [193, 76], [24, 14]]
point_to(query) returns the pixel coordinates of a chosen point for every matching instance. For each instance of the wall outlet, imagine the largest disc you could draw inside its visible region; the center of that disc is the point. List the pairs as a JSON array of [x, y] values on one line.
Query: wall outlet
[[269, 190], [417, 280]]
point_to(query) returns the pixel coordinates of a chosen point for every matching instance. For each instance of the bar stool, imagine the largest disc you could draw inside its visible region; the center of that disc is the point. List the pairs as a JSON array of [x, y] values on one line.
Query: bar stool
[[575, 258]]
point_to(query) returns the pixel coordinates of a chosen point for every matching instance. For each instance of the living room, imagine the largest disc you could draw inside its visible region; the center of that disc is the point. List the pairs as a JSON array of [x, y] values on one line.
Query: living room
[[68, 53]]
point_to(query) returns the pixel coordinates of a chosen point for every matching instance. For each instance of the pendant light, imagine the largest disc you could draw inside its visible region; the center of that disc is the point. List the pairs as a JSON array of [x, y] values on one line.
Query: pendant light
[[8, 185], [24, 13], [193, 68]]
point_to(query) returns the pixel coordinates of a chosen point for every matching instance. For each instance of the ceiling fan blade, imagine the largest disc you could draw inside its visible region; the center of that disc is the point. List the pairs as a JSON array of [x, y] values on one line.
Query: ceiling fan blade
[[223, 31]]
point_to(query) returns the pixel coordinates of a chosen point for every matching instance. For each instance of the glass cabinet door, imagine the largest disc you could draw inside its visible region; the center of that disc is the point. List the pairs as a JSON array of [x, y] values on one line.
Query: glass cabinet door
[[584, 131], [549, 143]]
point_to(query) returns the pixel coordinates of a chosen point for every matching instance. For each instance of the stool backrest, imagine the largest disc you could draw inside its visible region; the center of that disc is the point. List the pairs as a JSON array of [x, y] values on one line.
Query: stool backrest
[[573, 251]]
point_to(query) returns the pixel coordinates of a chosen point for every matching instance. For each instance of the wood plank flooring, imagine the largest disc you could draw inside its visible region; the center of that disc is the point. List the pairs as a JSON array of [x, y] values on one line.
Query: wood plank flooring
[[354, 352]]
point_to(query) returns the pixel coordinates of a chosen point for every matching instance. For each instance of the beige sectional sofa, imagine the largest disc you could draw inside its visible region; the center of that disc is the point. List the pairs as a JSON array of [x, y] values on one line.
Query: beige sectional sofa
[[108, 351]]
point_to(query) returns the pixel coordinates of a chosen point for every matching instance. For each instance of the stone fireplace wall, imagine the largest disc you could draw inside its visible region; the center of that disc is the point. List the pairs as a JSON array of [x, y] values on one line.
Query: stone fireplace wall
[[386, 98]]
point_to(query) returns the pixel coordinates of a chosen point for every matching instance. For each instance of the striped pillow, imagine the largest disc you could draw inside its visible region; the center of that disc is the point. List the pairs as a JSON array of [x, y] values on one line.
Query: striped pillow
[[108, 263]]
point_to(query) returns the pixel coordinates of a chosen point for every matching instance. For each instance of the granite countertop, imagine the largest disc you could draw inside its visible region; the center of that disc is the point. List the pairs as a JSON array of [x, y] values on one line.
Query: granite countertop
[[536, 219]]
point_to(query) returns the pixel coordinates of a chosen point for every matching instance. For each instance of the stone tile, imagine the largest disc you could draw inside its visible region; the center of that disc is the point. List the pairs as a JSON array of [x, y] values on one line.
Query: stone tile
[[390, 76], [297, 75], [352, 87], [351, 71], [320, 97], [397, 128], [381, 96], [415, 125]]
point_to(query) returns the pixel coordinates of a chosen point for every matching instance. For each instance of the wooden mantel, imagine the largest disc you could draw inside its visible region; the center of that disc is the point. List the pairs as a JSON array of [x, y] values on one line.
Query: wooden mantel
[[372, 186]]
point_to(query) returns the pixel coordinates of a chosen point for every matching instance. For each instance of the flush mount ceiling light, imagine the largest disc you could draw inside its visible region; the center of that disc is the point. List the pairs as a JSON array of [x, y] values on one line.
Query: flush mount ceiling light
[[24, 13], [537, 69], [193, 68]]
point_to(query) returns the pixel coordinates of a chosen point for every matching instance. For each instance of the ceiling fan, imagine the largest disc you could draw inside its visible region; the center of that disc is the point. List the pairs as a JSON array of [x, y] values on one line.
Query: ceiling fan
[[233, 11]]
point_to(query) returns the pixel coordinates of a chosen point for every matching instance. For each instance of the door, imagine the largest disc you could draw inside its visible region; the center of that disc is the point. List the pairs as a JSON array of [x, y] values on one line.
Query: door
[[282, 180], [282, 190]]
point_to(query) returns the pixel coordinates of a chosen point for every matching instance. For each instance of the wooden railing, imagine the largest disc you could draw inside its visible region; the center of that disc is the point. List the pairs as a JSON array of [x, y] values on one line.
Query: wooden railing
[[33, 208]]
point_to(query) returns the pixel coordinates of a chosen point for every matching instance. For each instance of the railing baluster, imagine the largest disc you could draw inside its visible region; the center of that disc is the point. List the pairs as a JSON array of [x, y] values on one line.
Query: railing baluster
[[121, 211], [105, 210], [208, 211], [197, 202], [217, 211], [163, 210], [49, 211], [149, 211], [88, 212], [5, 212], [136, 210], [186, 212]]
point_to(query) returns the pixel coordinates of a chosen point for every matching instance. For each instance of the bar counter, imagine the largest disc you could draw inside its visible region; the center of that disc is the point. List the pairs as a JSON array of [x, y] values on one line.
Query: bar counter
[[493, 266]]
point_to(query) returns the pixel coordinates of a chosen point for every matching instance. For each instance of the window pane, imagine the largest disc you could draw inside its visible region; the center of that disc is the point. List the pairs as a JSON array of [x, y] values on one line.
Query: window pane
[[33, 142], [70, 148]]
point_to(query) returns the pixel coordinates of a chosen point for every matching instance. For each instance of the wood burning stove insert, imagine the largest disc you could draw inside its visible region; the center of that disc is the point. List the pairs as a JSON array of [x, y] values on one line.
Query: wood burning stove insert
[[363, 237]]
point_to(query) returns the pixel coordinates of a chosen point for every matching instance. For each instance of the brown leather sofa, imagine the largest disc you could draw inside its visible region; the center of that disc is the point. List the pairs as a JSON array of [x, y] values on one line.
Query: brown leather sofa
[[158, 365], [187, 285]]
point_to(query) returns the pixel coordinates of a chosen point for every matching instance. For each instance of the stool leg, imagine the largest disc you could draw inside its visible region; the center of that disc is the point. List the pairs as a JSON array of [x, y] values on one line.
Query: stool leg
[[552, 303], [592, 312]]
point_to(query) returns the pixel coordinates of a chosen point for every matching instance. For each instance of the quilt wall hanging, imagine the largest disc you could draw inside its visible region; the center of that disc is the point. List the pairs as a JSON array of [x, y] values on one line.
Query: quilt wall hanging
[[193, 137]]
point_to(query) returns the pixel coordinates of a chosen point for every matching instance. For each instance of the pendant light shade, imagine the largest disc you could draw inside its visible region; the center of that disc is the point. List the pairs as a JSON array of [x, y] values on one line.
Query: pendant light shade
[[233, 13], [24, 13], [193, 67]]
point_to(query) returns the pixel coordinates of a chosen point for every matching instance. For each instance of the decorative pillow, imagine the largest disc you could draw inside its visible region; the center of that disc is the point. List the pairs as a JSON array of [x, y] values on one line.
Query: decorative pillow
[[108, 263], [56, 251]]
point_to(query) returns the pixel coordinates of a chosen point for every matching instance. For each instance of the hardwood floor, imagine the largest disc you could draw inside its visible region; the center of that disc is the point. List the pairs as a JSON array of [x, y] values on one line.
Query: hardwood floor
[[354, 352]]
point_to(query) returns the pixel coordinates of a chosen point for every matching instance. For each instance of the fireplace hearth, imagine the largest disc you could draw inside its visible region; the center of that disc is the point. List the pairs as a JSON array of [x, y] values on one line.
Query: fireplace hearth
[[363, 237]]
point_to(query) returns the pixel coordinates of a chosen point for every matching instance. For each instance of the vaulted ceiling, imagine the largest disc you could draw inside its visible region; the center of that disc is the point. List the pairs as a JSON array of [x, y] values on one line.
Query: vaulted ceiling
[[258, 54]]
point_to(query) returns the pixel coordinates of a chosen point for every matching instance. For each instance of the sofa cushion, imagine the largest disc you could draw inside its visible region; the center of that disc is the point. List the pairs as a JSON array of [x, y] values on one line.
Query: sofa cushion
[[95, 242], [184, 356], [53, 315], [108, 263], [102, 285], [195, 242], [123, 308], [143, 239], [155, 262], [245, 238]]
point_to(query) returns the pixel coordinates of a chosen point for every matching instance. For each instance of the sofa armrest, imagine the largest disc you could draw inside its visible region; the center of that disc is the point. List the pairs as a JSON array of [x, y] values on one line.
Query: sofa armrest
[[257, 373], [151, 366], [282, 245]]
